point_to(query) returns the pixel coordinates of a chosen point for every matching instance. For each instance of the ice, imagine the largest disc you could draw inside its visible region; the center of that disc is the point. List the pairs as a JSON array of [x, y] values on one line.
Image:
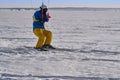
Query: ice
[[88, 42]]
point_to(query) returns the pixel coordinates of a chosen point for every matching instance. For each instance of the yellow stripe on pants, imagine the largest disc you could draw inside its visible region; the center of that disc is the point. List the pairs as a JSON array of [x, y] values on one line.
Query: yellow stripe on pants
[[44, 37]]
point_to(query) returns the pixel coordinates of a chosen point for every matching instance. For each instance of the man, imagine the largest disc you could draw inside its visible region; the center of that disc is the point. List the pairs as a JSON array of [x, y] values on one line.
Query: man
[[44, 36]]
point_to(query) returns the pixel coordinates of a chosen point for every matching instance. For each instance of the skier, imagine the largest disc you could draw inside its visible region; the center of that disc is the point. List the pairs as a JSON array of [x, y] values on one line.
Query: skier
[[44, 36]]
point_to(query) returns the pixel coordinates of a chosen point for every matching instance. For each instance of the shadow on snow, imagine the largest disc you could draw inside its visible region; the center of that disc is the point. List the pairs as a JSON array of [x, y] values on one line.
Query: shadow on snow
[[108, 60], [10, 76], [29, 50], [100, 51]]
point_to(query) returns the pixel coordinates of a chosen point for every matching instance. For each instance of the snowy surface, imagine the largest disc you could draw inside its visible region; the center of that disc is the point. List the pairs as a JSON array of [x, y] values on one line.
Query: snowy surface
[[90, 39]]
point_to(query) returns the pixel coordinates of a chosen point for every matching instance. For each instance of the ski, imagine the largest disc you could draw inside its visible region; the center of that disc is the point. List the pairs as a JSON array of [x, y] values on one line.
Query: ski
[[54, 49]]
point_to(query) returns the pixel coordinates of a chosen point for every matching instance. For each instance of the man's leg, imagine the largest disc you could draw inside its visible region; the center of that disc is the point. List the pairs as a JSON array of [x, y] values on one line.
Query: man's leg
[[48, 35], [40, 35]]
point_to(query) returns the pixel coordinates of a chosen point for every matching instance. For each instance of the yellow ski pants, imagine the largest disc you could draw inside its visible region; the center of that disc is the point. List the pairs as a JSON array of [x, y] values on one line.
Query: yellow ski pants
[[44, 37]]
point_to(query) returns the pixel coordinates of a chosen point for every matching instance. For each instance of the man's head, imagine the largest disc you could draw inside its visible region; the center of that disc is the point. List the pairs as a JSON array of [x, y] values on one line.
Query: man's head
[[44, 8]]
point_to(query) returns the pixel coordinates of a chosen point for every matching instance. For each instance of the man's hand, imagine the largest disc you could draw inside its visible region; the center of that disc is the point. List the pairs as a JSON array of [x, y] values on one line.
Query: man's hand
[[48, 16]]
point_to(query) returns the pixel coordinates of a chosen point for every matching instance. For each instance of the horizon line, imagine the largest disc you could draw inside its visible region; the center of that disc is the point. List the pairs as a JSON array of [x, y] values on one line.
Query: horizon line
[[54, 7]]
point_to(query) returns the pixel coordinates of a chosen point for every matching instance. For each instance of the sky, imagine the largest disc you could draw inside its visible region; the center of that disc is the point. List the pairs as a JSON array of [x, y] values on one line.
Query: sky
[[81, 3]]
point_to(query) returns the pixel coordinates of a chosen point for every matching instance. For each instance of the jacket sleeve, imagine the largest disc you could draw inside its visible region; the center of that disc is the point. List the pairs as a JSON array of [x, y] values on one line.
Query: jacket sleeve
[[47, 17]]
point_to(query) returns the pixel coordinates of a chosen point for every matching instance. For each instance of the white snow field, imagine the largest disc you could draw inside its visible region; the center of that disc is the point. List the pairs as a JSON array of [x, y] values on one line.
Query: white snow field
[[89, 42]]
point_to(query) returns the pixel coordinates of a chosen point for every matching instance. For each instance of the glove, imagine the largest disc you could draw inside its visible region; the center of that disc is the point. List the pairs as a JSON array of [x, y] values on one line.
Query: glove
[[48, 16]]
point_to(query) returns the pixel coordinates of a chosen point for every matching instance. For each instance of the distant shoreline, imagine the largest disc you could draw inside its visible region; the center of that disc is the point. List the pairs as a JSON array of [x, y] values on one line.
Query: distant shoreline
[[67, 8]]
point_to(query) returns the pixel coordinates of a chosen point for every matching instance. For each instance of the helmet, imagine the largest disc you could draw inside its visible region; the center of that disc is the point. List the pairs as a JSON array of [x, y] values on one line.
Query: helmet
[[43, 6]]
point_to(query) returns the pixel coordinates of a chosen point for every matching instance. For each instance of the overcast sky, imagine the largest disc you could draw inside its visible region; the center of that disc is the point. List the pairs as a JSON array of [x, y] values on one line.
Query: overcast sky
[[83, 3]]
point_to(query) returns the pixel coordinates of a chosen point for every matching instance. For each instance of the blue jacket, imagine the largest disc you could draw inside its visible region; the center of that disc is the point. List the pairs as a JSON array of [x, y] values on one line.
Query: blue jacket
[[39, 19]]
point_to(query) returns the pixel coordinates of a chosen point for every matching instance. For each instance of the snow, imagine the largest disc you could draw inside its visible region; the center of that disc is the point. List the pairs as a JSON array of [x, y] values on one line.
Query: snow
[[89, 42]]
